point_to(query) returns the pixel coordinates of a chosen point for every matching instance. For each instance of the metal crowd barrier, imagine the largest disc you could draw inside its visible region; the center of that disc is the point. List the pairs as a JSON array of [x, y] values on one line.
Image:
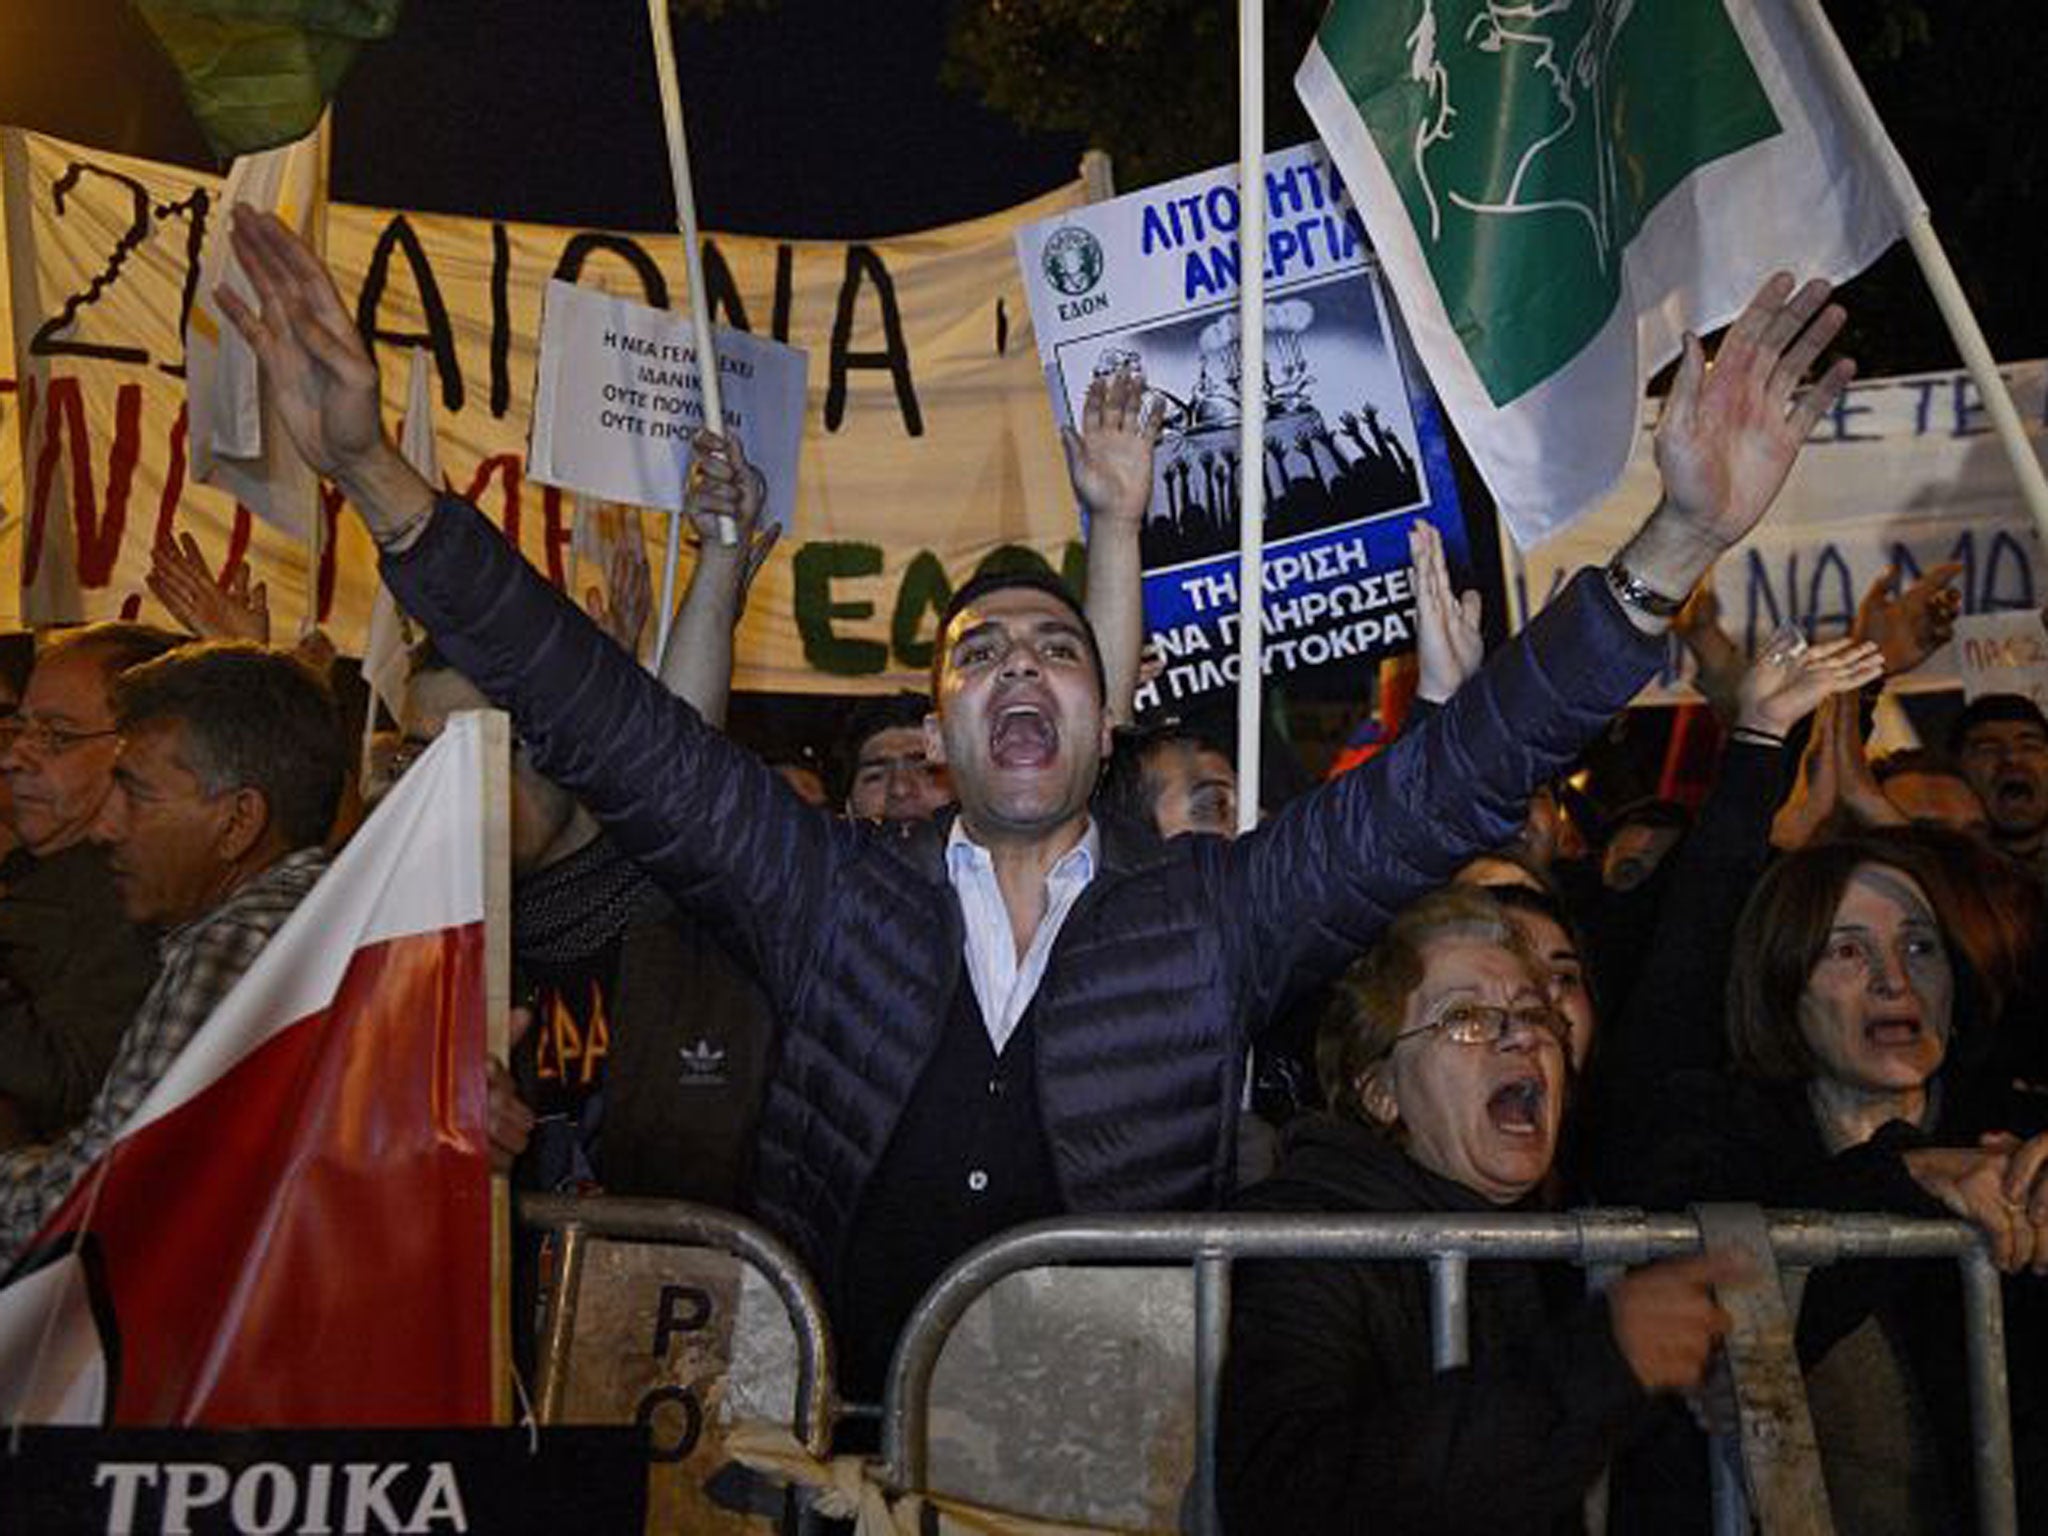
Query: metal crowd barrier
[[1602, 1242], [576, 1219]]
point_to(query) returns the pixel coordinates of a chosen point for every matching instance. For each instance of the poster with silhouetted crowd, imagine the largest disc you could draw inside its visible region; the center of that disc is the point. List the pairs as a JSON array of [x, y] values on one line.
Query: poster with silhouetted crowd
[[1353, 444]]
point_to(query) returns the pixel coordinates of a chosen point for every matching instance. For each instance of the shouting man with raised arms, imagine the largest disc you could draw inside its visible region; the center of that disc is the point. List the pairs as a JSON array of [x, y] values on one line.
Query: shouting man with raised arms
[[1022, 1008]]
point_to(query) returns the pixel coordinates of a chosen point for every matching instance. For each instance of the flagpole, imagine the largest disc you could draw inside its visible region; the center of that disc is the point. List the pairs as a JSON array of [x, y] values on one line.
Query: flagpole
[[496, 730], [1949, 298], [1514, 572], [1969, 340], [316, 236], [1251, 391], [700, 306]]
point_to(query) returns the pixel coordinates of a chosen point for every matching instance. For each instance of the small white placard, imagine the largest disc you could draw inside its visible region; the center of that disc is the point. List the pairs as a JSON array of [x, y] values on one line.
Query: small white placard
[[2003, 653], [617, 402]]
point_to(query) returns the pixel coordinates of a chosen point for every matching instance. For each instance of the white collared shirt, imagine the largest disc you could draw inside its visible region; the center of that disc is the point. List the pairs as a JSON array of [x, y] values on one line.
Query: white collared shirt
[[1003, 984]]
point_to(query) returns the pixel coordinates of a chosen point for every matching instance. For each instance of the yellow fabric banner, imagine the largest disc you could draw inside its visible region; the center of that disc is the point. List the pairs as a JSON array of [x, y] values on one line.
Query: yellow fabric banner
[[928, 444]]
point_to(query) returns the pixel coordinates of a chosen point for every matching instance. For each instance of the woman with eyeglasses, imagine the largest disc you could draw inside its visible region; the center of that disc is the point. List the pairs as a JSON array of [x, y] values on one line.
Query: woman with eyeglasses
[[1445, 1065], [1856, 1033]]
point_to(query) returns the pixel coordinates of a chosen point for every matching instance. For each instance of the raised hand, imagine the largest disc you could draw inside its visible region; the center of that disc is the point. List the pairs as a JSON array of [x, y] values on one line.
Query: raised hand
[[1109, 460], [320, 375], [1777, 692], [1911, 626], [315, 651], [1730, 431], [1448, 646], [180, 579], [624, 614], [1816, 792], [1855, 785], [723, 485]]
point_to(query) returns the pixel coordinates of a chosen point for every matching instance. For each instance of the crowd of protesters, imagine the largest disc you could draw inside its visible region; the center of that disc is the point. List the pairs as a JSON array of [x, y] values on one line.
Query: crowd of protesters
[[1001, 954]]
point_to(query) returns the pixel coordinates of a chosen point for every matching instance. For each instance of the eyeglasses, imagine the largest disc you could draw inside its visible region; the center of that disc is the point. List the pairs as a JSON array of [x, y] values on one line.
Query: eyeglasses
[[1485, 1024], [47, 740]]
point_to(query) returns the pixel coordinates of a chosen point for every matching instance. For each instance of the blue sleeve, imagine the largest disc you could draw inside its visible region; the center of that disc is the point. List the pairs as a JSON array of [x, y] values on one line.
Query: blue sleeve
[[1317, 883], [713, 824]]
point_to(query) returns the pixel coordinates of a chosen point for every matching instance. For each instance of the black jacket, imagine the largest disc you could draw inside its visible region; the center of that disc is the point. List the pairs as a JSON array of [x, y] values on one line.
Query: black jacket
[[1172, 957], [1710, 1136], [1332, 1418]]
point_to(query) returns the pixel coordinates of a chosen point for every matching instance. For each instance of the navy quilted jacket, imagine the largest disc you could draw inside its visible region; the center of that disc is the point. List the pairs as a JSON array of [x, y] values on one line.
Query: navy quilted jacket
[[1174, 956]]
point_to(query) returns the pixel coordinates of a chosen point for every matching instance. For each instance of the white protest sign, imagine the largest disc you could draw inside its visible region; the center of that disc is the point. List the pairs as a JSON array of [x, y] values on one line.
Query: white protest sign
[[2003, 653], [616, 401], [1902, 473]]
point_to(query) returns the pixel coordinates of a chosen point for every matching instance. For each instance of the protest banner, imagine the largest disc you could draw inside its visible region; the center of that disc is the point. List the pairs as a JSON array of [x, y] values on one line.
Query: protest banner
[[926, 448], [1903, 472], [1354, 451], [617, 402], [2004, 653]]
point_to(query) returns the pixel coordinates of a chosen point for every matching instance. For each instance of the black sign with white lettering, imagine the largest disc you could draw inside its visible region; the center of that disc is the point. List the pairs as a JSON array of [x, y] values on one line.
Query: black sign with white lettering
[[342, 1482]]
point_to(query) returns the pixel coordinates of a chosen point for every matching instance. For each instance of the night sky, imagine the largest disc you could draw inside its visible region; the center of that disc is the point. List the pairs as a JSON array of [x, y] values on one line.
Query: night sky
[[808, 118]]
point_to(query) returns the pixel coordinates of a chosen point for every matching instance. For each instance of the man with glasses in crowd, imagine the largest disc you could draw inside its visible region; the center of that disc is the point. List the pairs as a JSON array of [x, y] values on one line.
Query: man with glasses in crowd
[[73, 969]]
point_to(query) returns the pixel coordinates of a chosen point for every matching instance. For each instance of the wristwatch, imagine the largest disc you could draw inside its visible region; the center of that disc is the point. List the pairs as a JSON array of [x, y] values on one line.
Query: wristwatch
[[1631, 589]]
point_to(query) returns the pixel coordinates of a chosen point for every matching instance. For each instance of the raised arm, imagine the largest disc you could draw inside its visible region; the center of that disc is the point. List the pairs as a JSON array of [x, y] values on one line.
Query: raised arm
[[1673, 1020], [1326, 874], [1728, 437], [1110, 463], [698, 665], [721, 831], [322, 379]]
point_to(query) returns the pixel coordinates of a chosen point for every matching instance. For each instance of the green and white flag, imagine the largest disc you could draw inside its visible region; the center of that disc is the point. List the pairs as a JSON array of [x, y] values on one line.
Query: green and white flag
[[1560, 190]]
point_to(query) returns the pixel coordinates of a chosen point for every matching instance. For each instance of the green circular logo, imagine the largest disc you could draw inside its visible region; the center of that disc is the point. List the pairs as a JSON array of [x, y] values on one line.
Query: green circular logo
[[1072, 261]]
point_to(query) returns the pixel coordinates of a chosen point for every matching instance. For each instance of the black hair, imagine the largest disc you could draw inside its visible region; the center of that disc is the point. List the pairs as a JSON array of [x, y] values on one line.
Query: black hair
[[1994, 709], [252, 719], [17, 660], [1650, 812], [980, 586], [1126, 788], [885, 712]]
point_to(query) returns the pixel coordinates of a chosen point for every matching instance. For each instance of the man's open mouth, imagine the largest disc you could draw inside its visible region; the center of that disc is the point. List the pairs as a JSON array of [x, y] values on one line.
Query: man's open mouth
[[1023, 736], [2015, 789]]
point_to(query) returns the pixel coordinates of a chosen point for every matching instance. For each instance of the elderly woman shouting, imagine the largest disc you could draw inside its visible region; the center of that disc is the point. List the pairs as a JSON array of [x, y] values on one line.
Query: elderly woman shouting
[[1445, 1066]]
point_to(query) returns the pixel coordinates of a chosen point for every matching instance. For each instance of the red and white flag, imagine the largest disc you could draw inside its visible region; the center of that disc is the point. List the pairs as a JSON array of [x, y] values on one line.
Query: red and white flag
[[295, 1226]]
